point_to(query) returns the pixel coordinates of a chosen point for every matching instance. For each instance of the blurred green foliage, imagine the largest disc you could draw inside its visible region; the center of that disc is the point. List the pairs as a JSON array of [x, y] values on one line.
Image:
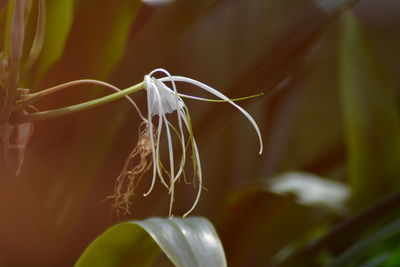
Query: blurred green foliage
[[329, 72]]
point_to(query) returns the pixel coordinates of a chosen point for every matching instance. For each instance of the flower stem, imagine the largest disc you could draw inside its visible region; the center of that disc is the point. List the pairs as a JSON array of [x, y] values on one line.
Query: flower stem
[[44, 115], [31, 98]]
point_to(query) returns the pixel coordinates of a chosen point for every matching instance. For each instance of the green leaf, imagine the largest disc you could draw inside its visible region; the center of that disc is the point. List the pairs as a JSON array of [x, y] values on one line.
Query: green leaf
[[358, 249], [186, 242], [59, 16], [38, 40], [109, 36], [17, 35], [371, 116]]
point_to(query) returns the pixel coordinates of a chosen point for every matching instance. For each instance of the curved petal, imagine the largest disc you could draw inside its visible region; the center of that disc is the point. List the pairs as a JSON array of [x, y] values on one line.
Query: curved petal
[[222, 96]]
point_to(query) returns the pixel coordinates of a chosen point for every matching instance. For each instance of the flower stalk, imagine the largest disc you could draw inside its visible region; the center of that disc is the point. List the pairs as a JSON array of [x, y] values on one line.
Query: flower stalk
[[44, 115]]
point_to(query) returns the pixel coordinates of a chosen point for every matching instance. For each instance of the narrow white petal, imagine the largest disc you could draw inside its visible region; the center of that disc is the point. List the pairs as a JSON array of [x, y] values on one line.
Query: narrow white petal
[[197, 171], [150, 125], [159, 128], [220, 95], [154, 99], [170, 149], [162, 116], [178, 104]]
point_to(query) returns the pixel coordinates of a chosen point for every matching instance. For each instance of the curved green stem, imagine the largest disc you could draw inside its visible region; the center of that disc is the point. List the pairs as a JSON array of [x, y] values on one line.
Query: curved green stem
[[31, 98], [44, 115], [218, 100]]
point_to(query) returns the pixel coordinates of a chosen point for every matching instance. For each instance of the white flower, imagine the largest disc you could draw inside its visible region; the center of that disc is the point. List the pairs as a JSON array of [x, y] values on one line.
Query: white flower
[[161, 101]]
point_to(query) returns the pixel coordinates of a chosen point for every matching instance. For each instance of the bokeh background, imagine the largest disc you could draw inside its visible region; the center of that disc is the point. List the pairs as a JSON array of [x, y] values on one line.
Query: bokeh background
[[329, 116]]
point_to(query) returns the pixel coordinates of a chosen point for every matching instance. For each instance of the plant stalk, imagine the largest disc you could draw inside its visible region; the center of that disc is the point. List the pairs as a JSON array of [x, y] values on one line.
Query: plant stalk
[[32, 98], [49, 114]]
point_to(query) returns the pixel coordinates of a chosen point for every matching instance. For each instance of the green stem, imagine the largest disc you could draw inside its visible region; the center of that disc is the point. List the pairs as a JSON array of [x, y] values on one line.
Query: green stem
[[31, 98], [44, 115], [218, 100]]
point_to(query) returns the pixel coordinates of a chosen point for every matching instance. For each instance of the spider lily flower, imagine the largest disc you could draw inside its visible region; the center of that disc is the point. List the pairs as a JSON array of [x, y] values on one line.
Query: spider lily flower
[[162, 101]]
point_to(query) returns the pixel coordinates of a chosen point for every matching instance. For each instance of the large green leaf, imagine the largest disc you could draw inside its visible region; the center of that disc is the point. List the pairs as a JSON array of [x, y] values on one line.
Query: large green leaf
[[59, 21], [371, 116], [38, 39], [186, 242]]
